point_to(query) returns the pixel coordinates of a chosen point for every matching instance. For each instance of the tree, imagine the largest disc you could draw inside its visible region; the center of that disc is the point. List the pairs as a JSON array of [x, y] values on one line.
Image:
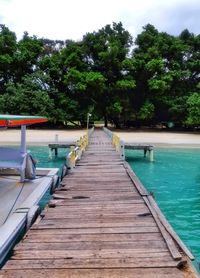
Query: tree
[[26, 57], [106, 51], [193, 109], [27, 97], [8, 46], [164, 70]]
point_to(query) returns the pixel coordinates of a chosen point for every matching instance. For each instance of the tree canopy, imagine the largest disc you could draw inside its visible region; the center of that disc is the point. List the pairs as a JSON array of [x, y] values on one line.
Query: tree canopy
[[143, 81]]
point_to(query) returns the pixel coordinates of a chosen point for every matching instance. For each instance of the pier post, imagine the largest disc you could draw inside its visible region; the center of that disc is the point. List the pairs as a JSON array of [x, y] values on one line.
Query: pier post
[[151, 154], [79, 149], [23, 138], [71, 159], [122, 149], [50, 154], [56, 141]]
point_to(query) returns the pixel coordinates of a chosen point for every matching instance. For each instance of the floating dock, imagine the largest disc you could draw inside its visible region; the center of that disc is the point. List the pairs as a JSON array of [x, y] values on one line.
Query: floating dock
[[102, 223]]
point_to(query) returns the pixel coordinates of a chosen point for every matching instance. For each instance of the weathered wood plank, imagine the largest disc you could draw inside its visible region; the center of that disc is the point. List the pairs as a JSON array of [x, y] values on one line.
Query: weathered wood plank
[[84, 254], [92, 203], [169, 228], [95, 273], [169, 241], [70, 263], [99, 193], [41, 237], [103, 230], [53, 223], [97, 189], [100, 199], [99, 217], [107, 206], [144, 245], [86, 213]]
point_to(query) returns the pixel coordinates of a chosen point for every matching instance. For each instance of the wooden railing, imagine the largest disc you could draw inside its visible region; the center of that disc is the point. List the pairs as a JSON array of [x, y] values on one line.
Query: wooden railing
[[76, 151], [117, 142]]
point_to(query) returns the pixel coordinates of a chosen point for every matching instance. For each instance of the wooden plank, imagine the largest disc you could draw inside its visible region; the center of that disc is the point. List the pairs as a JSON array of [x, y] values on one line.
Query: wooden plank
[[170, 243], [84, 254], [107, 206], [96, 188], [99, 217], [97, 213], [51, 224], [144, 245], [135, 180], [105, 195], [33, 237], [96, 179], [99, 193], [104, 164], [169, 228], [97, 199], [93, 203], [105, 184], [145, 262], [103, 230], [102, 219], [94, 273]]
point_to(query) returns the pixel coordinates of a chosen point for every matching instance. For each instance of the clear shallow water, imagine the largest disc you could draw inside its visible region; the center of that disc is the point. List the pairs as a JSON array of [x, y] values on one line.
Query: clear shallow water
[[41, 155], [174, 178]]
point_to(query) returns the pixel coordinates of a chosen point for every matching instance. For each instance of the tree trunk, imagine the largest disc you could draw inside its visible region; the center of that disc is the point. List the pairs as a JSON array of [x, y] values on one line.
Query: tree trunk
[[105, 121]]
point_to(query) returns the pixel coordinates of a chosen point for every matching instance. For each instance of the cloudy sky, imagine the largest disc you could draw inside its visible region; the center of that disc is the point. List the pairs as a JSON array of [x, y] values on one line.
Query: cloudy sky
[[71, 19]]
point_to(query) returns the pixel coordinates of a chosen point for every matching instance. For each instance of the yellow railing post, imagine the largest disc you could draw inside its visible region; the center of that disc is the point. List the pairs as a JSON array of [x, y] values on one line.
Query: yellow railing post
[[76, 152], [116, 142], [73, 155]]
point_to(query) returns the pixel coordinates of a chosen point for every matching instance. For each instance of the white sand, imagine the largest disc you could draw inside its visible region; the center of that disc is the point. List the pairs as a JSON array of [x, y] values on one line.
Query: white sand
[[39, 137], [160, 139]]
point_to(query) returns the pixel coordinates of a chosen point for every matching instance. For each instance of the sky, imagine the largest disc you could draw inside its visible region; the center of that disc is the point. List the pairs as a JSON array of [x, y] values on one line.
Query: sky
[[71, 19]]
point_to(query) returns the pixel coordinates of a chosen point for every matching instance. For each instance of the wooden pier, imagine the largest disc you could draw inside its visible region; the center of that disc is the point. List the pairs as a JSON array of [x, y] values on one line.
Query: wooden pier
[[145, 147], [102, 223], [54, 147]]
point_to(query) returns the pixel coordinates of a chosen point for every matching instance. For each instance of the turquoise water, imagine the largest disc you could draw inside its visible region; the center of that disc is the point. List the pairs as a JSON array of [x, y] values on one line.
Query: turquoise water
[[174, 178], [41, 155]]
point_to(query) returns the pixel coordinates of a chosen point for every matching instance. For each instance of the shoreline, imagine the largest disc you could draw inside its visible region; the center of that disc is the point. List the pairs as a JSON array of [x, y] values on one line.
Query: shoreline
[[163, 139]]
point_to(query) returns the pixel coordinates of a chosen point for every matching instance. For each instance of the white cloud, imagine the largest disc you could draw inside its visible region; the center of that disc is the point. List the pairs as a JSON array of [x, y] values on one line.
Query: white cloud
[[62, 19]]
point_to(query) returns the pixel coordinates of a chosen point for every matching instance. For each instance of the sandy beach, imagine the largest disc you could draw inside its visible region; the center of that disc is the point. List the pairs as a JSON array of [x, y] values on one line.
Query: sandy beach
[[158, 139], [38, 136], [162, 138]]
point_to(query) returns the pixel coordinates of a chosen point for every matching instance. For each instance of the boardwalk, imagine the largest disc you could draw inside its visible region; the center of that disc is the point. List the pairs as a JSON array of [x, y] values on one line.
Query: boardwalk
[[98, 226]]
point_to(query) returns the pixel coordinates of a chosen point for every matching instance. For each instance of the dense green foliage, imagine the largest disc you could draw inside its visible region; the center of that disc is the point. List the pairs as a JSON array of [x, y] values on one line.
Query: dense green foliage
[[154, 79]]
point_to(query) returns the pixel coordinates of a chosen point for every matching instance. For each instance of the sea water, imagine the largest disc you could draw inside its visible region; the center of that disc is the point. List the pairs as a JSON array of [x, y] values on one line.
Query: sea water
[[174, 179], [41, 156]]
